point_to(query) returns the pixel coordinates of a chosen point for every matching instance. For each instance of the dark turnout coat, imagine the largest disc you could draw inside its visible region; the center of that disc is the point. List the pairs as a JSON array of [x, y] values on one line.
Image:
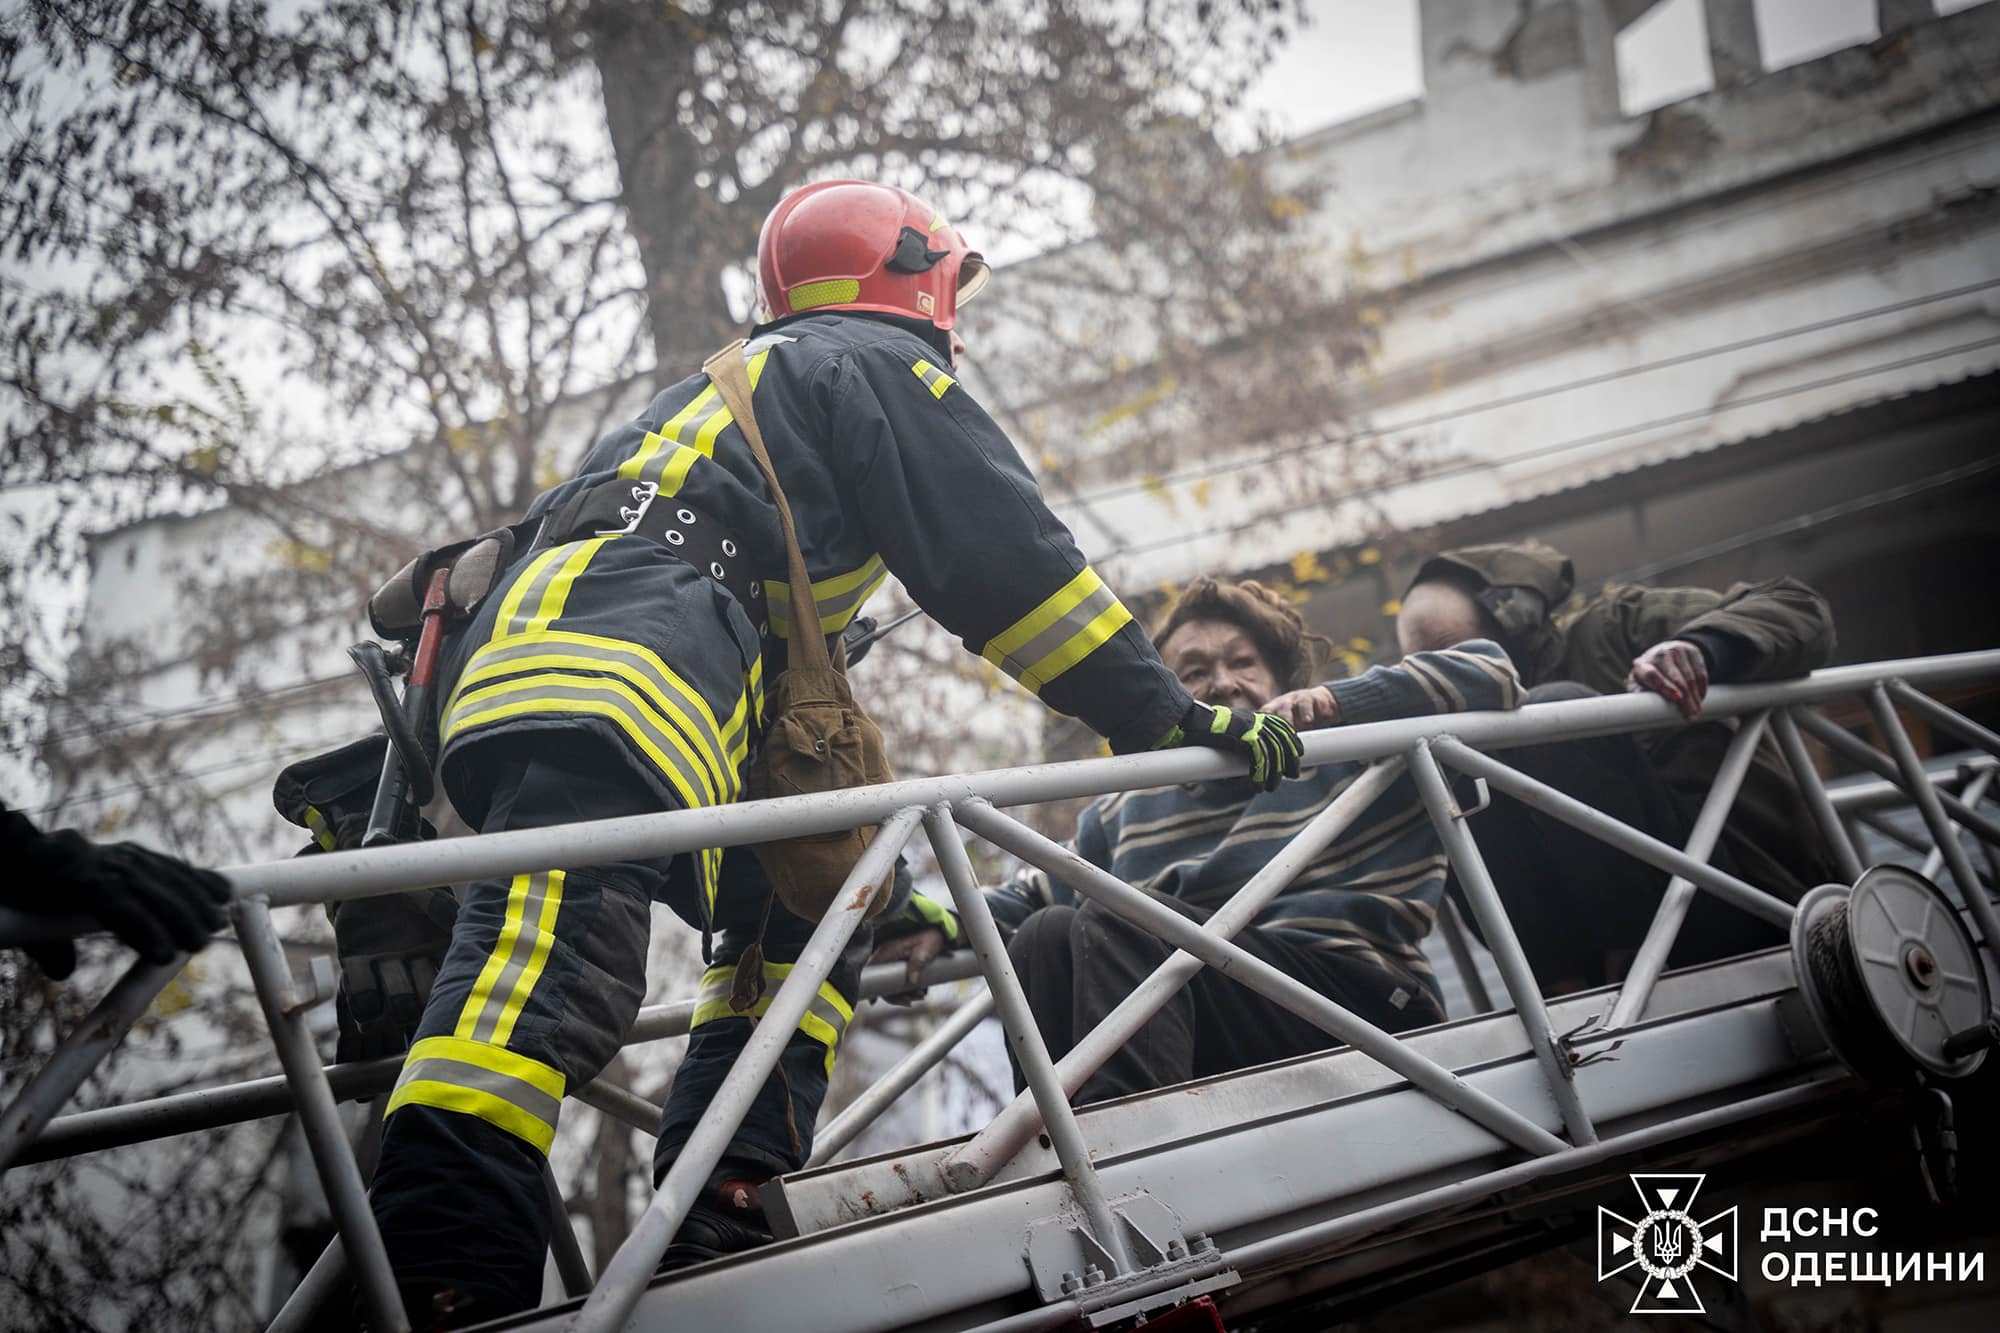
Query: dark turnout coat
[[1753, 632]]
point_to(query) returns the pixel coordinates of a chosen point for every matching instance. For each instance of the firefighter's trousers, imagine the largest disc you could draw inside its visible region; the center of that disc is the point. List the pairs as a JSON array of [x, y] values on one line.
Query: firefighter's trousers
[[541, 982]]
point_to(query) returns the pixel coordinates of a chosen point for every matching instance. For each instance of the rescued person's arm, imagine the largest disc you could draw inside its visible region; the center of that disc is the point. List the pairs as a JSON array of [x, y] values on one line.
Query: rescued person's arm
[[1469, 677]]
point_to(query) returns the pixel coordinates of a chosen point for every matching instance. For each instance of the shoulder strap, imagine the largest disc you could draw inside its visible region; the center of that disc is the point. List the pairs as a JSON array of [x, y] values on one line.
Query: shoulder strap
[[807, 644]]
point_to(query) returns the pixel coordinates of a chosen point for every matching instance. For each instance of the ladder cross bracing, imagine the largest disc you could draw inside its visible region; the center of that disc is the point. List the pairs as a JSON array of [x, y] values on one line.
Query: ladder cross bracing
[[1255, 1187]]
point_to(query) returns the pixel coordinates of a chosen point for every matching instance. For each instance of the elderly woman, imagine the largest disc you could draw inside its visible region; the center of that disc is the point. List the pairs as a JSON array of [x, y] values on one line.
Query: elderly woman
[[1351, 925]]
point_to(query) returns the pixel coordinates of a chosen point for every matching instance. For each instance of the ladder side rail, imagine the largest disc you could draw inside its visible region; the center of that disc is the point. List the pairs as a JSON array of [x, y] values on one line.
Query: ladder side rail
[[80, 1051], [1024, 1035], [621, 1104], [1975, 792], [323, 1282], [1805, 776], [1473, 878], [1820, 1093], [572, 1269], [1880, 793], [632, 1267], [1944, 836], [1606, 829], [993, 1147], [1882, 765], [332, 1155], [253, 1099], [1943, 715], [899, 1078], [1230, 958], [1661, 936], [338, 876]]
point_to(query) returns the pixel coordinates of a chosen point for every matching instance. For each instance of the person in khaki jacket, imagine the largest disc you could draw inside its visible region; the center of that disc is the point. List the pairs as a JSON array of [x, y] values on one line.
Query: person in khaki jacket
[[1580, 907]]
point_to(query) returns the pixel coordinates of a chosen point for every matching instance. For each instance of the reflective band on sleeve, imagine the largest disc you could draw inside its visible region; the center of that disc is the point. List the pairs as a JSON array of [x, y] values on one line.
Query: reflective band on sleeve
[[1062, 631], [321, 830], [504, 1088], [934, 379], [825, 1019], [838, 597]]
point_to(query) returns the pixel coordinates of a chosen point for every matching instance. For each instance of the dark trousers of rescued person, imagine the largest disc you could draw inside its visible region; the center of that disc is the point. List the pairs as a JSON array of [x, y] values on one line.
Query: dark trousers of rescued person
[[1579, 906], [1077, 963]]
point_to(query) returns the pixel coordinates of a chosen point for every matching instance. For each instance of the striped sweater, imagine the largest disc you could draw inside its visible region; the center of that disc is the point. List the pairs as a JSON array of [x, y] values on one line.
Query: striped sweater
[[1372, 895]]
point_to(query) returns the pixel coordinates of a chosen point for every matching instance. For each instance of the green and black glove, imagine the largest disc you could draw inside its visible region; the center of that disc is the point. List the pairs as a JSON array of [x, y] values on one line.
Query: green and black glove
[[1267, 740], [388, 948]]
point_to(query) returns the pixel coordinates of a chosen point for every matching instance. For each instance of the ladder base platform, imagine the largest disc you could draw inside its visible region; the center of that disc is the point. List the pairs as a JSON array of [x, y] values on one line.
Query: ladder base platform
[[880, 1244]]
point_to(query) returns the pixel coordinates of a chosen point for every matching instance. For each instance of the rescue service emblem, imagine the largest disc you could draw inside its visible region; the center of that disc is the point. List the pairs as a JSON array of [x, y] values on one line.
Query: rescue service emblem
[[1667, 1243]]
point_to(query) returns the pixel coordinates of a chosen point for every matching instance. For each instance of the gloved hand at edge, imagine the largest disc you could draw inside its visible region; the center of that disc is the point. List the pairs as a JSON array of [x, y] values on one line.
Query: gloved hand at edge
[[158, 904], [1268, 741]]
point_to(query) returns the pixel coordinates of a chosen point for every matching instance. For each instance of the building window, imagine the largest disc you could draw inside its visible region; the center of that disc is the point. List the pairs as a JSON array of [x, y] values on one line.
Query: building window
[[1792, 32], [1663, 57]]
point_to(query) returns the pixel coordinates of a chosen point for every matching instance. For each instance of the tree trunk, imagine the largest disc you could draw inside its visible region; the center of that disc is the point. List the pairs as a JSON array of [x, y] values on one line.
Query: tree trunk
[[686, 236]]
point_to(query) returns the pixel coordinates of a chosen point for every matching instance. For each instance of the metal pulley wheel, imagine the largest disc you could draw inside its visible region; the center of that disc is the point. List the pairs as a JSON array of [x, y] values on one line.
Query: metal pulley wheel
[[1892, 977]]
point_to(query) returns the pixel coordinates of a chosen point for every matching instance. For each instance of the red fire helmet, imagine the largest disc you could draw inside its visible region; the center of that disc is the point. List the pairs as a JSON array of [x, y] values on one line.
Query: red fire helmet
[[857, 245]]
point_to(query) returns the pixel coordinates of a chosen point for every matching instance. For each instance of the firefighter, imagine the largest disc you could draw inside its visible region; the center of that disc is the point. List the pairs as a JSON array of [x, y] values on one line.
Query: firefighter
[[618, 669]]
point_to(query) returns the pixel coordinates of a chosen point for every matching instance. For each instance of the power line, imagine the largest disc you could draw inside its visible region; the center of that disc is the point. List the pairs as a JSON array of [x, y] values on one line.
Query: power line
[[1565, 446], [1533, 395]]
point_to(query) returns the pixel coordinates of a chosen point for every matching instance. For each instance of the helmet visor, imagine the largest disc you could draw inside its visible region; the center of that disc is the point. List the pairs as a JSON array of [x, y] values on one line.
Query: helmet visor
[[972, 277]]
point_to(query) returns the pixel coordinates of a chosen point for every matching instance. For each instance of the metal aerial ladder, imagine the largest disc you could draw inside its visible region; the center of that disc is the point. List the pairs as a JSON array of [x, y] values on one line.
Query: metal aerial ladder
[[1242, 1194]]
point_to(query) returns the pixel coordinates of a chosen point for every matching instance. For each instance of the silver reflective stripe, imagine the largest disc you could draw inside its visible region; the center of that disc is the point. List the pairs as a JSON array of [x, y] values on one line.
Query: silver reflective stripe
[[500, 652], [1073, 622], [668, 752], [538, 585], [459, 1074], [501, 993], [715, 988], [685, 435]]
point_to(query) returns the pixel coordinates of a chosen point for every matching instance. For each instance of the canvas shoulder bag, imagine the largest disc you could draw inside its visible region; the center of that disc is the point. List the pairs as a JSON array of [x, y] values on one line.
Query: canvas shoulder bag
[[816, 737]]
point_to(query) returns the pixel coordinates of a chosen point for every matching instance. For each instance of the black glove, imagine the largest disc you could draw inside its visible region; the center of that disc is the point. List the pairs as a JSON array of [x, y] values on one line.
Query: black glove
[[158, 904], [389, 950], [1267, 740]]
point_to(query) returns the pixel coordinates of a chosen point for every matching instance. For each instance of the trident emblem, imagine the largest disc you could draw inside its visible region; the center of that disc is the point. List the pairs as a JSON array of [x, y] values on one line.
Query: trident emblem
[[1668, 1243]]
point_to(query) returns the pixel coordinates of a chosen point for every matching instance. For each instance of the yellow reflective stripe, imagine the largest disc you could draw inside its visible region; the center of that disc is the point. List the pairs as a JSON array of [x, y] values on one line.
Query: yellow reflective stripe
[[544, 928], [534, 578], [934, 379], [1066, 628], [706, 415], [506, 1089], [631, 662], [838, 598], [1085, 642], [674, 475], [556, 596], [321, 830], [524, 898], [700, 779], [510, 1064], [824, 1021], [669, 433]]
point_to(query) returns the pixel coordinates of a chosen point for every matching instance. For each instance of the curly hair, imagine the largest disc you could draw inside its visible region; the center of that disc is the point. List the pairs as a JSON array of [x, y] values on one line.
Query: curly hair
[[1274, 625]]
